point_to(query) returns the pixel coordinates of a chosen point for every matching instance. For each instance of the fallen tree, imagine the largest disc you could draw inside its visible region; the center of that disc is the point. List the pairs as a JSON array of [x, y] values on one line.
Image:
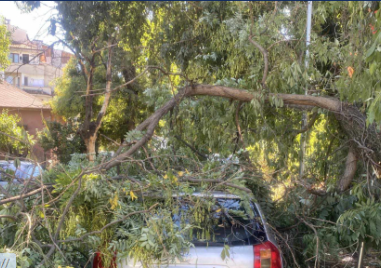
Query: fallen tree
[[364, 139]]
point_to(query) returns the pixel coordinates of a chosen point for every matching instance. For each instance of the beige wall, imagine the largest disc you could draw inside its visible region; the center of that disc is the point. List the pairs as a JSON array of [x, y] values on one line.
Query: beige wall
[[44, 72]]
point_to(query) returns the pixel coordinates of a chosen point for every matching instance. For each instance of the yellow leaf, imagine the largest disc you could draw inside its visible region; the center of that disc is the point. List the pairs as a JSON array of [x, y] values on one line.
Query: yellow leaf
[[42, 215], [180, 173], [218, 210], [165, 177], [350, 71], [133, 196], [186, 171], [114, 201]]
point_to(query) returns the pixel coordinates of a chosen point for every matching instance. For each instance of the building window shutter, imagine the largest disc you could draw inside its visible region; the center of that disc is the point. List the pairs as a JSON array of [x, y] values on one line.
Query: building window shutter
[[25, 58], [25, 81]]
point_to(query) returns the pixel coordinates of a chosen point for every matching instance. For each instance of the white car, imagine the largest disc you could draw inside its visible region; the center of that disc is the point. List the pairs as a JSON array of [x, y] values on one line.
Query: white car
[[24, 171], [250, 239]]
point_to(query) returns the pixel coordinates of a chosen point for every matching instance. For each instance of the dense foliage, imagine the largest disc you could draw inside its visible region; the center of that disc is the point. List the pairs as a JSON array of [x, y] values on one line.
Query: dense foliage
[[62, 139], [210, 137], [14, 141], [4, 45]]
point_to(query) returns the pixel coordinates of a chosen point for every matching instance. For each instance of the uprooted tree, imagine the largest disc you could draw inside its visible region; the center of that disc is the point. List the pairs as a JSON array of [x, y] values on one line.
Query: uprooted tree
[[225, 84]]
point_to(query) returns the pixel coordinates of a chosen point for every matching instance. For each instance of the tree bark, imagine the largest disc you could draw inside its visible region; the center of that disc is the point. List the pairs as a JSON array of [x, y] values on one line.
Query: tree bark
[[89, 129], [90, 147], [366, 139], [349, 171]]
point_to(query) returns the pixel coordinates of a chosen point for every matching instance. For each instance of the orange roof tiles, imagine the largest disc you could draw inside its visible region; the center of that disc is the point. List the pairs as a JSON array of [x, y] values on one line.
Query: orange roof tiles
[[13, 97]]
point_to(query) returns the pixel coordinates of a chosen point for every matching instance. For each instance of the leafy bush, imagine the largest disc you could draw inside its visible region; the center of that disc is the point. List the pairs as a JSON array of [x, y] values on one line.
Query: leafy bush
[[63, 139], [14, 140]]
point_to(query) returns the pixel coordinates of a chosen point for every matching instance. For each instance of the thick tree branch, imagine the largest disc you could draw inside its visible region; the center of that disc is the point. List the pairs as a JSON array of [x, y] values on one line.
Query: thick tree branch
[[107, 94], [265, 59], [18, 197], [221, 182], [204, 157], [349, 171], [125, 177], [151, 122], [350, 119], [238, 126], [8, 217], [89, 99]]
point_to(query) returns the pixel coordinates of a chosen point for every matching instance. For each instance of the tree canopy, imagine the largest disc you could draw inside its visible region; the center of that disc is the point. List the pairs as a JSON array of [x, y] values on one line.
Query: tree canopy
[[173, 97]]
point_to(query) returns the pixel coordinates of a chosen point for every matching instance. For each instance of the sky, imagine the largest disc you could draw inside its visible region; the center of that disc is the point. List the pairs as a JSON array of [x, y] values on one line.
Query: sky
[[35, 23]]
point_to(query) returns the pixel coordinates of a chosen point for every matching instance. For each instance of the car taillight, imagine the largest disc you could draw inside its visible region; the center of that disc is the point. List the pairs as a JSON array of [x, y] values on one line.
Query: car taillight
[[97, 262], [266, 255]]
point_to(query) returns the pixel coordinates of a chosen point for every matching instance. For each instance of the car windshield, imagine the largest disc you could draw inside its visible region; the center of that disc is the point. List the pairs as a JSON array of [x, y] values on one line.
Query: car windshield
[[226, 221]]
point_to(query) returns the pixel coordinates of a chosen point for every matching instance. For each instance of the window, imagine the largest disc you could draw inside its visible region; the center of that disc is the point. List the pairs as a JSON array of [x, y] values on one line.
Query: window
[[36, 82], [9, 79], [227, 222], [13, 80], [25, 58], [25, 81], [14, 58]]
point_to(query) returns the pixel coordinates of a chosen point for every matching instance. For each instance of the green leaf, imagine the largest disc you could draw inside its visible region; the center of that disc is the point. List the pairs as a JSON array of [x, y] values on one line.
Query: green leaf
[[374, 45], [225, 252], [17, 163], [372, 68]]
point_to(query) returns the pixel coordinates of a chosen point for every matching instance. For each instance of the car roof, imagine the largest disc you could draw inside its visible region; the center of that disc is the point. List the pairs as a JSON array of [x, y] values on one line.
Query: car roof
[[215, 194], [10, 162]]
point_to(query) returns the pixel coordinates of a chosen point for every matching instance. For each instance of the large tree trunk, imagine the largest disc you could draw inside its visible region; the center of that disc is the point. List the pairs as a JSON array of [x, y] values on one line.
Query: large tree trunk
[[89, 129], [365, 140], [90, 147], [349, 170]]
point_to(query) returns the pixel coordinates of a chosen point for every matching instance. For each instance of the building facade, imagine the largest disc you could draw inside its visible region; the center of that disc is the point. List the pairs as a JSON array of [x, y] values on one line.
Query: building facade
[[28, 83], [34, 66]]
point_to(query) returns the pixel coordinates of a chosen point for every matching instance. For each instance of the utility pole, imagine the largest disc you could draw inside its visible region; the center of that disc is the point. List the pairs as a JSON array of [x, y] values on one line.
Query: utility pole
[[303, 137]]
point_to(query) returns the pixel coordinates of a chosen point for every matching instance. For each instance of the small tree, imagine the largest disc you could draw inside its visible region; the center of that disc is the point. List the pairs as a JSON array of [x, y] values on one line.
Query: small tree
[[14, 140], [64, 140]]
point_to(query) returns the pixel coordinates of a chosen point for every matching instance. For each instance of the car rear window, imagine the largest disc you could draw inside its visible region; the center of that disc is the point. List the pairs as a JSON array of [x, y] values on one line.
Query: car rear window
[[225, 222]]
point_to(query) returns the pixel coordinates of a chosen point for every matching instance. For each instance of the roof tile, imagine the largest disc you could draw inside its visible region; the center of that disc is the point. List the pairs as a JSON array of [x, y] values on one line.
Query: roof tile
[[13, 97]]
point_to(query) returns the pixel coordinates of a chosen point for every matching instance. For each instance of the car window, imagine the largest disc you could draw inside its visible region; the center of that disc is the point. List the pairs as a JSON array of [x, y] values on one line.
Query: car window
[[228, 221]]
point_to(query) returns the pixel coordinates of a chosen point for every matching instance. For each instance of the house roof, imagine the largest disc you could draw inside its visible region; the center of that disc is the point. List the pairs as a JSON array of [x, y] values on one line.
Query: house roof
[[18, 35], [13, 97]]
